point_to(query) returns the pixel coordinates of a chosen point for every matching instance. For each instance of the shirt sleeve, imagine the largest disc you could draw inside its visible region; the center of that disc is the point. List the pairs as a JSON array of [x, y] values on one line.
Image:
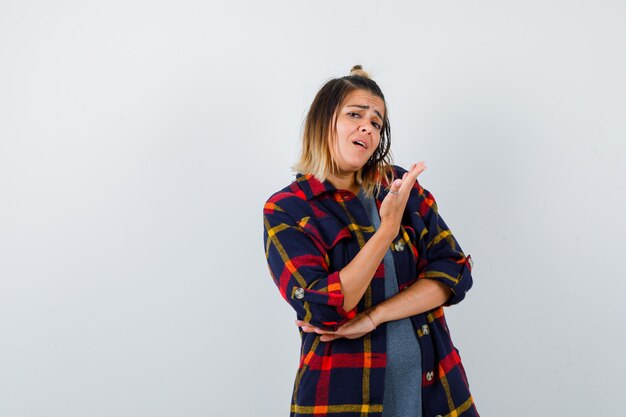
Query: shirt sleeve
[[300, 268], [441, 257]]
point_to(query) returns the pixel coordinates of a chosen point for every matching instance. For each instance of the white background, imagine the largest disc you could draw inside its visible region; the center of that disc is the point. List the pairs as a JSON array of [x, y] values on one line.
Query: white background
[[139, 140]]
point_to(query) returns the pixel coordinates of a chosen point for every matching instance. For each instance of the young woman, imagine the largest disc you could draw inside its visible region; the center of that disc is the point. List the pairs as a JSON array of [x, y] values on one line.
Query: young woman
[[356, 246]]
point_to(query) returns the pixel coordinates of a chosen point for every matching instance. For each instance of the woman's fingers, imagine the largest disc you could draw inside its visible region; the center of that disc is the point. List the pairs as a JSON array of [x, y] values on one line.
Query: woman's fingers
[[409, 177], [357, 327], [326, 335], [308, 328], [404, 185], [395, 187], [417, 169], [396, 199]]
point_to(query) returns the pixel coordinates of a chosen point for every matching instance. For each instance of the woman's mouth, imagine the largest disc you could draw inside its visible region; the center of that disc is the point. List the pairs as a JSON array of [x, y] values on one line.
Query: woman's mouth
[[360, 143]]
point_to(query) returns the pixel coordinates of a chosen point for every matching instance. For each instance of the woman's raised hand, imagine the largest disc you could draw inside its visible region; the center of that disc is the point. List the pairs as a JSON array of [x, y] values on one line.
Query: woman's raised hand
[[393, 205]]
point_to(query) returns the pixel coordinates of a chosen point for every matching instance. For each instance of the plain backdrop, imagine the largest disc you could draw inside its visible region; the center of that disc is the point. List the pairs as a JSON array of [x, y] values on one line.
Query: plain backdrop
[[140, 139]]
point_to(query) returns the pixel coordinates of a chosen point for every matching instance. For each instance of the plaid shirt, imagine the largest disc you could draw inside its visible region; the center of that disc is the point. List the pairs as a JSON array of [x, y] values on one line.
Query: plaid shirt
[[312, 231]]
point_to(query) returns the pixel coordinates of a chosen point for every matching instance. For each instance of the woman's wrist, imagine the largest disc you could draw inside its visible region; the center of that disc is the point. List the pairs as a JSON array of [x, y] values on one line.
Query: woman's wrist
[[388, 232], [377, 314]]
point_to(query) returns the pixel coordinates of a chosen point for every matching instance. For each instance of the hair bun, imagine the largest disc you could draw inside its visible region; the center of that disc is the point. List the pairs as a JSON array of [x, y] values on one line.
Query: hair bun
[[358, 71]]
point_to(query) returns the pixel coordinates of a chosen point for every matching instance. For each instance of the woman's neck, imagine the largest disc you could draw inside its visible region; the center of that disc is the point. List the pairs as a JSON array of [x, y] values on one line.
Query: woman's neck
[[344, 182]]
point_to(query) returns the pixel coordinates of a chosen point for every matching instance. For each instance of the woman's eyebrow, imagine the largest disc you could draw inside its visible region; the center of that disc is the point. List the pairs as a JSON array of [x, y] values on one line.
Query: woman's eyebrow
[[365, 108]]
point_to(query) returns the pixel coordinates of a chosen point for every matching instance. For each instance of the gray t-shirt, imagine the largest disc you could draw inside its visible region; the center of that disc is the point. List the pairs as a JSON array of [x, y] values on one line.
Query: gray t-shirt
[[403, 374]]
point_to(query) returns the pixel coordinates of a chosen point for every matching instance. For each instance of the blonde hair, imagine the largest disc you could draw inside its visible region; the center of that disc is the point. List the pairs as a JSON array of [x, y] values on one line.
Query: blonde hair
[[316, 156]]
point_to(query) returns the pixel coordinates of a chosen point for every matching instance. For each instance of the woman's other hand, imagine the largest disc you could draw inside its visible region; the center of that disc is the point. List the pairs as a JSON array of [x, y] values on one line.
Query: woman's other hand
[[357, 327], [393, 205]]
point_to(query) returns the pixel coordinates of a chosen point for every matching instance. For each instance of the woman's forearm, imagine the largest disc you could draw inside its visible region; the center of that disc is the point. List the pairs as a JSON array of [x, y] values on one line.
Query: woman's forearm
[[423, 295], [357, 275]]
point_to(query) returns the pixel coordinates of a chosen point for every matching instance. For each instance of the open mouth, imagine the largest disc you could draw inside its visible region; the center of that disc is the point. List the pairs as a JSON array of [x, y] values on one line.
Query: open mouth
[[360, 143]]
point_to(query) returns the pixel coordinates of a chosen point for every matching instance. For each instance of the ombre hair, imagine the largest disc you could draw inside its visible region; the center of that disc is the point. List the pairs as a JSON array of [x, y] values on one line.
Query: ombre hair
[[320, 128]]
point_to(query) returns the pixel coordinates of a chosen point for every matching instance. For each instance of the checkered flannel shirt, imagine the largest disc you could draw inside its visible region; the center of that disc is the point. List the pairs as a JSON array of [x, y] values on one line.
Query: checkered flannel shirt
[[312, 231]]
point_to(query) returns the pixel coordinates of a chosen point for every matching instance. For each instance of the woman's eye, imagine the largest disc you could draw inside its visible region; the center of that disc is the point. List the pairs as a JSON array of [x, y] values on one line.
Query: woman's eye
[[352, 114], [376, 125]]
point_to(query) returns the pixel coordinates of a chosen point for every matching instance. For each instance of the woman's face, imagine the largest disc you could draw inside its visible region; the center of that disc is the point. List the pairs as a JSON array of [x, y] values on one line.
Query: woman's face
[[359, 121]]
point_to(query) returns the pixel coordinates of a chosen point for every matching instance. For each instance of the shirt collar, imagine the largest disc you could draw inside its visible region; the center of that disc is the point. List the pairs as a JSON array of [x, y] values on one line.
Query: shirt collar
[[311, 187]]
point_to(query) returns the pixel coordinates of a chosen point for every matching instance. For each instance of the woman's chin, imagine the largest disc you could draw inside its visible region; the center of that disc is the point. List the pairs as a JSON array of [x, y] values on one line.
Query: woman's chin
[[353, 167]]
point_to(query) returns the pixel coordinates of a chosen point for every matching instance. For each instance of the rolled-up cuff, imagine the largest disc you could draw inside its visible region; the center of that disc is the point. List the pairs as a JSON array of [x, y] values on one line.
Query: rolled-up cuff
[[325, 301], [447, 272]]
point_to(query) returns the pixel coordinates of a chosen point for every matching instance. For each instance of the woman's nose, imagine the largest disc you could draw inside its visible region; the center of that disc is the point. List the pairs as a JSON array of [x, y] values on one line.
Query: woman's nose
[[365, 129]]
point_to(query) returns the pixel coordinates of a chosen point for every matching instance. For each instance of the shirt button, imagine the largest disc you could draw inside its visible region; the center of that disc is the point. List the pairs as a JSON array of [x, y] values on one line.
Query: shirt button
[[399, 246], [429, 376], [425, 329], [299, 293]]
